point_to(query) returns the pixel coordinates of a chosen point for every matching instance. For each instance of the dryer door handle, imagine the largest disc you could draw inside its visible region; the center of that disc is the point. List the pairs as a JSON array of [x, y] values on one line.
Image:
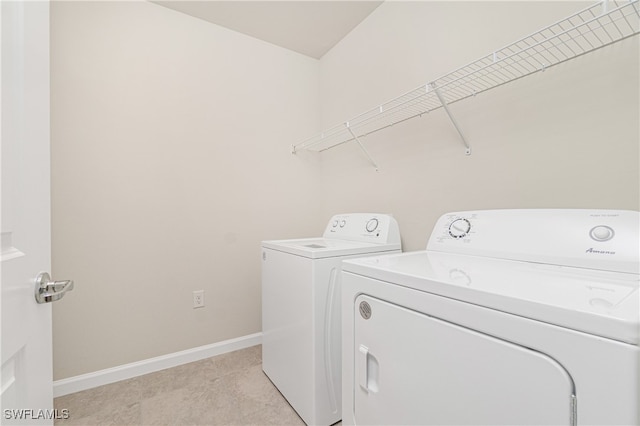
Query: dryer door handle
[[368, 370]]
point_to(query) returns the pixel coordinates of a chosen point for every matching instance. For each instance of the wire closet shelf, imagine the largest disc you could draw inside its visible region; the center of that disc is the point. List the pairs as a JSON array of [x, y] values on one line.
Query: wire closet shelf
[[600, 25]]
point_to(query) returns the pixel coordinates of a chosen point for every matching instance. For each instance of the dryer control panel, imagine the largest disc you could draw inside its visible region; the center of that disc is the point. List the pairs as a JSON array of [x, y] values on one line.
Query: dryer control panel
[[366, 227], [594, 239]]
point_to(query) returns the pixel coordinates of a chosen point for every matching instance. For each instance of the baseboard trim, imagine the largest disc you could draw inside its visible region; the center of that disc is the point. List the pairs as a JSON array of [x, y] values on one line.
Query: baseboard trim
[[134, 369]]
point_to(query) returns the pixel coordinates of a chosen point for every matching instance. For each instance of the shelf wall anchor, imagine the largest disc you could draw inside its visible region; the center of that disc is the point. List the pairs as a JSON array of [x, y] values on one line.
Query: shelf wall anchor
[[366, 153], [452, 118]]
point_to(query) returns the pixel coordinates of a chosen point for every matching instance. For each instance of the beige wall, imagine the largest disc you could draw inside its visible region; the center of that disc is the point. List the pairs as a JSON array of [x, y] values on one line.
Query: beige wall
[[170, 163], [170, 160], [564, 138]]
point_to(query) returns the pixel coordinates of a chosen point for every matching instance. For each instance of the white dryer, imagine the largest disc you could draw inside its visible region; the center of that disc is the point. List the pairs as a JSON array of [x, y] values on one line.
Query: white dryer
[[509, 317], [301, 309]]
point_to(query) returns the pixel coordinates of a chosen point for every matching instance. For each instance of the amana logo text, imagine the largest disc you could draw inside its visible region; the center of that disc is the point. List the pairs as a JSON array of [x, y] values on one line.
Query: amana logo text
[[591, 250]]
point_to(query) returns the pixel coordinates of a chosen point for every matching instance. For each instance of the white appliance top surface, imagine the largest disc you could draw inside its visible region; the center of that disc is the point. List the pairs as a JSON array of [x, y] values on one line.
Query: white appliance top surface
[[346, 235], [317, 248], [601, 303]]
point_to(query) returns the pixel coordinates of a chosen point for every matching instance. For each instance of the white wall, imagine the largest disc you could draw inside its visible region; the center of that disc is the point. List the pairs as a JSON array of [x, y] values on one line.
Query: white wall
[[170, 163], [564, 138]]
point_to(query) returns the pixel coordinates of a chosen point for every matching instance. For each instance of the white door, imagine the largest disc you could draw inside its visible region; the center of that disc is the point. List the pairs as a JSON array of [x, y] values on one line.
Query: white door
[[414, 369], [26, 378]]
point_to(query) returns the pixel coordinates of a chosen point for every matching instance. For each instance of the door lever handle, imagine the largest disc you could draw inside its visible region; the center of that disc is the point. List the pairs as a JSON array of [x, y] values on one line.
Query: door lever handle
[[50, 291]]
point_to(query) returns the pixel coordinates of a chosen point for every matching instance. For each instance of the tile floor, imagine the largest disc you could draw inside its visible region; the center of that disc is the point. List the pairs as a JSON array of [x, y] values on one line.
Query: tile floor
[[228, 389]]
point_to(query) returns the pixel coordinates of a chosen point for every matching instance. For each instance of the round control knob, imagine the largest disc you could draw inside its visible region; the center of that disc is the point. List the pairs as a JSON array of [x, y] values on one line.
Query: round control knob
[[601, 233], [372, 225], [335, 223], [343, 223], [459, 228]]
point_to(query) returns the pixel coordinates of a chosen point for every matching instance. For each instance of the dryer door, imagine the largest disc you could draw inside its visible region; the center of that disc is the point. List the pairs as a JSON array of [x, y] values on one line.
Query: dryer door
[[411, 368]]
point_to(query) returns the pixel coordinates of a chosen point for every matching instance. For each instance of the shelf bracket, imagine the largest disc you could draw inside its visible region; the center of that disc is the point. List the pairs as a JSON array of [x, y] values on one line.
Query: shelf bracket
[[452, 118], [366, 153]]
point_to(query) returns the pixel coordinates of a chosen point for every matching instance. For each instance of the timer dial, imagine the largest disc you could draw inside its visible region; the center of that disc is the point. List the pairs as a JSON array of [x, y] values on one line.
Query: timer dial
[[372, 225], [459, 228]]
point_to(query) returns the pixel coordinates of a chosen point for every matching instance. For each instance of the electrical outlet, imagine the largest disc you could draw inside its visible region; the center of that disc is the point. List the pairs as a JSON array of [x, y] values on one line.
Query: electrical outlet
[[198, 299]]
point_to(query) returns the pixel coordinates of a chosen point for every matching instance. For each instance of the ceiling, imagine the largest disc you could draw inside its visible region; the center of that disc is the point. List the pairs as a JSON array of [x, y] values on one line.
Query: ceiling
[[310, 27]]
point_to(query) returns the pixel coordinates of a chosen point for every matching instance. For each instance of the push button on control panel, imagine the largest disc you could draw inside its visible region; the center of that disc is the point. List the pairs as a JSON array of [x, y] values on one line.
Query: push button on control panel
[[601, 233]]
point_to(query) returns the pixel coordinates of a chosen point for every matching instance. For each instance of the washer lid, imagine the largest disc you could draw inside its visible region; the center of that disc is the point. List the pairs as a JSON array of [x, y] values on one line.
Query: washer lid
[[317, 248], [601, 303]]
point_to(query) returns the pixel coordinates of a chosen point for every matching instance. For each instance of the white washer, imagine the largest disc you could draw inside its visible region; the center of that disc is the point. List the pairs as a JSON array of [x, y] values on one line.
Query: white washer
[[509, 317], [301, 309]]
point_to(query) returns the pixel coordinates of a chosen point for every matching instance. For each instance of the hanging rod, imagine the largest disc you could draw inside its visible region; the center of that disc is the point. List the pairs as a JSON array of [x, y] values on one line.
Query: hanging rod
[[594, 27]]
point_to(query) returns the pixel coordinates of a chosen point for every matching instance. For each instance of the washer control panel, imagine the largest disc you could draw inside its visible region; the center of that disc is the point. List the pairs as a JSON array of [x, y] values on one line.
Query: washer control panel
[[368, 227], [595, 239]]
